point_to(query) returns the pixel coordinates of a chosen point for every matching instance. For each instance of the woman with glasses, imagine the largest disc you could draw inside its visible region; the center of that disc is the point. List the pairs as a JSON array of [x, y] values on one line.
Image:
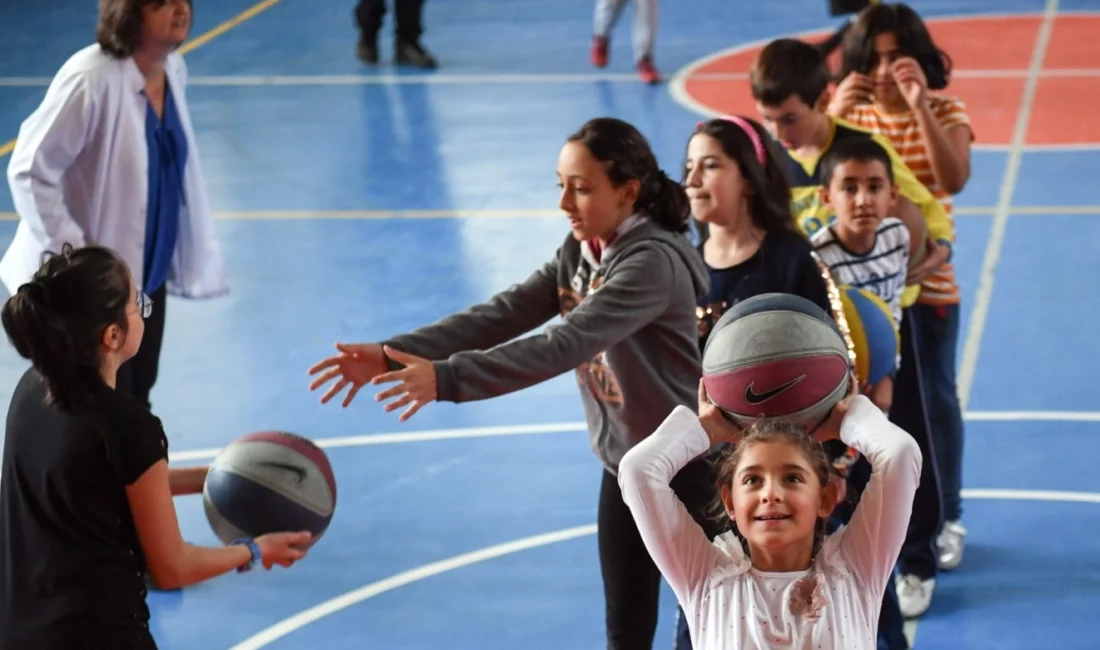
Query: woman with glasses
[[109, 158], [85, 490]]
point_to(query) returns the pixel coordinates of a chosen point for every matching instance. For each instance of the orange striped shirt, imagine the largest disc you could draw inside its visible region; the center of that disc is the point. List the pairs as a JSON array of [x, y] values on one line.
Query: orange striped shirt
[[904, 134]]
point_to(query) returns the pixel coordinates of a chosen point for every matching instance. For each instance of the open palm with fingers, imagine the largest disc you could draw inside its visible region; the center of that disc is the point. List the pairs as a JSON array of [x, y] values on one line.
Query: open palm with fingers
[[353, 366], [416, 386]]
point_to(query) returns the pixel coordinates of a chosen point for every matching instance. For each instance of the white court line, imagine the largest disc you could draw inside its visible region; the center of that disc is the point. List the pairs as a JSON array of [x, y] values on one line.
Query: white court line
[[294, 623], [412, 436], [434, 435], [984, 295], [496, 78], [356, 596]]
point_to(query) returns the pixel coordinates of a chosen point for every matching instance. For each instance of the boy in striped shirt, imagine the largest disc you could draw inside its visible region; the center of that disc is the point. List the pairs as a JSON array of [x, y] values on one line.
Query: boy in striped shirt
[[864, 248]]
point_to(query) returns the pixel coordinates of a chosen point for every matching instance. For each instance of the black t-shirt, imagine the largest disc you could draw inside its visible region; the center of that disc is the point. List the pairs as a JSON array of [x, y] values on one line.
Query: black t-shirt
[[71, 568], [782, 264]]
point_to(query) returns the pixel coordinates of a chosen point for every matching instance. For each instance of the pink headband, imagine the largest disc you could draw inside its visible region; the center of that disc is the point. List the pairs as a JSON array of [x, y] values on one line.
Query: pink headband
[[757, 143]]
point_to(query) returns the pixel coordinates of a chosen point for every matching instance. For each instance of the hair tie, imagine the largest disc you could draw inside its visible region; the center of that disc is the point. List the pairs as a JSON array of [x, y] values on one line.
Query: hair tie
[[757, 143]]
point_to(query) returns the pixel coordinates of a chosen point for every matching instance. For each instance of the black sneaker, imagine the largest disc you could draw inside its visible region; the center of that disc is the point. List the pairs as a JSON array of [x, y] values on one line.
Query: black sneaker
[[412, 54], [367, 51]]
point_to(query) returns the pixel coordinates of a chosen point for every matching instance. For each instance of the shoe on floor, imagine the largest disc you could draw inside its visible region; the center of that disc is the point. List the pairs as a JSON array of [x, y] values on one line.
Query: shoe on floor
[[367, 49], [414, 55], [914, 595], [950, 545], [647, 71], [598, 53]]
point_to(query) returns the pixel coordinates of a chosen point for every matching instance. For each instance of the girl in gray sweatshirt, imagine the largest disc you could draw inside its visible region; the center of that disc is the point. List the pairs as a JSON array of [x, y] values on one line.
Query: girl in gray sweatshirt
[[625, 283]]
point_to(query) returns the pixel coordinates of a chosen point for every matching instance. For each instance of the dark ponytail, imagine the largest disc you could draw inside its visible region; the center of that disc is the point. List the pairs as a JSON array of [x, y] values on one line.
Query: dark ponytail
[[56, 320], [627, 155], [666, 203]]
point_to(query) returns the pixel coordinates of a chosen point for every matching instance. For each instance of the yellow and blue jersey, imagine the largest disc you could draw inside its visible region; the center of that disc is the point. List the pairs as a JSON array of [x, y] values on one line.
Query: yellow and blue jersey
[[812, 214]]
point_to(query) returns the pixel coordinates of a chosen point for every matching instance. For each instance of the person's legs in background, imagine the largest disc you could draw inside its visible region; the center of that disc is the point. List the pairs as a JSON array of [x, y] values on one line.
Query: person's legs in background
[[407, 47], [137, 376], [645, 32], [939, 333], [918, 563]]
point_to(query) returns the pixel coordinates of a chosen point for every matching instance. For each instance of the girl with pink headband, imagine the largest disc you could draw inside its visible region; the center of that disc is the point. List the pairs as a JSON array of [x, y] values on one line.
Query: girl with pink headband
[[740, 200]]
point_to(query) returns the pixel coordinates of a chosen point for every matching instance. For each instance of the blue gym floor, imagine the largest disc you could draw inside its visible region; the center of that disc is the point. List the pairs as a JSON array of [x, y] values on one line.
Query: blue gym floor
[[354, 206]]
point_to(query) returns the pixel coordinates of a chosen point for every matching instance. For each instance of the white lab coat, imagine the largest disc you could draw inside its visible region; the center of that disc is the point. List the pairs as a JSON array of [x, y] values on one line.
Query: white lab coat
[[79, 175]]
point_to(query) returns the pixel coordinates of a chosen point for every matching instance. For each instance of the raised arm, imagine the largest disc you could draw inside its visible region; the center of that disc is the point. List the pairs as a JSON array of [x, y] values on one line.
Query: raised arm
[[874, 536], [677, 544], [636, 292], [947, 135], [50, 139]]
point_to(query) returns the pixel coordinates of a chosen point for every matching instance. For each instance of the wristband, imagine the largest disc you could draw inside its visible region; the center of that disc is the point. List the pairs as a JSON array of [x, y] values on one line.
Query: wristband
[[253, 549]]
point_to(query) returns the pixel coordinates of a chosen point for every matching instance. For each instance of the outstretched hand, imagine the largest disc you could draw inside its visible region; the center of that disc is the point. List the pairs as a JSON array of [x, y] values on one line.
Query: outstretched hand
[[354, 366], [416, 386]]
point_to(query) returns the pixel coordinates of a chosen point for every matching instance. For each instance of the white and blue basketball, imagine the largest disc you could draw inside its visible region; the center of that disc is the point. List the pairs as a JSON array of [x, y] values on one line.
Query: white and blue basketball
[[269, 482]]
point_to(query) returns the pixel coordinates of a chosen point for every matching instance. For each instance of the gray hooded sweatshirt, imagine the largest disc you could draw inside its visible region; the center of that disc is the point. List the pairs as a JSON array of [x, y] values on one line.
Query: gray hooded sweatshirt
[[628, 331]]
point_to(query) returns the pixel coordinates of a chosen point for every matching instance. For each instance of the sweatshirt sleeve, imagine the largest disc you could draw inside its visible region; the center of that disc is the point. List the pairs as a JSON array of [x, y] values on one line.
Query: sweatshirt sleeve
[[635, 292], [677, 544], [874, 536], [510, 313]]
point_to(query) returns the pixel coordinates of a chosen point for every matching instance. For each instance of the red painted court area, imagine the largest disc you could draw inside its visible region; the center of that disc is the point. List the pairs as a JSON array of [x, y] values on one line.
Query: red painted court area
[[990, 71]]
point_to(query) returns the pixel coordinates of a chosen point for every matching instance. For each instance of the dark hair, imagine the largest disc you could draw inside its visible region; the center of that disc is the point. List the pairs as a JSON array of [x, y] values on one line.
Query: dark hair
[[770, 203], [861, 149], [858, 48], [789, 67], [626, 155], [57, 318], [773, 431], [118, 30]]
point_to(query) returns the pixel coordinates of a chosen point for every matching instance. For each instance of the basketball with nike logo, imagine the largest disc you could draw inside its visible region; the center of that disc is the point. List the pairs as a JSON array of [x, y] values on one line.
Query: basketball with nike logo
[[776, 356], [269, 482]]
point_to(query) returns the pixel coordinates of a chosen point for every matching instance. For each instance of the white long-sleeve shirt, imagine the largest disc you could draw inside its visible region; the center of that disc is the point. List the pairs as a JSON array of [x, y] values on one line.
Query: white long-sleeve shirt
[[728, 603], [79, 175]]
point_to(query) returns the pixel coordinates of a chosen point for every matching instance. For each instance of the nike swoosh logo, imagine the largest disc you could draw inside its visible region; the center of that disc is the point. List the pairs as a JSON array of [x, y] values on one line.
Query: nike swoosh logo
[[298, 472], [752, 397]]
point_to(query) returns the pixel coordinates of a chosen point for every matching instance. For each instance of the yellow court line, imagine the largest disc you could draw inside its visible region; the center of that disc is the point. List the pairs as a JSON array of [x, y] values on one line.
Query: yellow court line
[[536, 213], [195, 43]]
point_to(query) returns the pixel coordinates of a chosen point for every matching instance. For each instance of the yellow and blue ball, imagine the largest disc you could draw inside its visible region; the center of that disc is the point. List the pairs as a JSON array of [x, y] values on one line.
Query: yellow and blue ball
[[874, 333]]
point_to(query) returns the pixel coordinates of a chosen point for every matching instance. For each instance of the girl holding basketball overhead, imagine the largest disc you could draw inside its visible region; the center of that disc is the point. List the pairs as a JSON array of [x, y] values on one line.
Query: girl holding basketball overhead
[[750, 243], [86, 494], [776, 580], [625, 281]]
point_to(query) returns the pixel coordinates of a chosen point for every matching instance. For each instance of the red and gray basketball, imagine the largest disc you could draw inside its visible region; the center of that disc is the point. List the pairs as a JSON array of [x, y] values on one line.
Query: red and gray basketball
[[776, 356], [269, 482]]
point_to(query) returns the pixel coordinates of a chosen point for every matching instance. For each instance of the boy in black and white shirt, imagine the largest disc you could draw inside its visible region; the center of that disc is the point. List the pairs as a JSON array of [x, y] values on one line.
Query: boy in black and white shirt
[[864, 248]]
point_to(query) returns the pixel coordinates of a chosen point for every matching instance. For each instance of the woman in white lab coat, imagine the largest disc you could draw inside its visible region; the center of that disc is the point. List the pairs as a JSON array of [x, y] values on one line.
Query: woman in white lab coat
[[109, 158]]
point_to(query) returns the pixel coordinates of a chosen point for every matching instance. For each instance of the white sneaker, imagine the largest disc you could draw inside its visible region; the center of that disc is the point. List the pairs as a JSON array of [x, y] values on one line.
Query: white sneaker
[[950, 545], [914, 595]]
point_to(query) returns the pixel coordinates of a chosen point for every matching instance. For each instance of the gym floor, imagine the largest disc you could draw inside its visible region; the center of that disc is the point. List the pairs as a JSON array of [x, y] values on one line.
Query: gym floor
[[356, 203]]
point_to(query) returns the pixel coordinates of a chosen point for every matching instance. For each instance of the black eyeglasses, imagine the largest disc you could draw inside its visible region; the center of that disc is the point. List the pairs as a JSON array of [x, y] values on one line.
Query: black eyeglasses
[[145, 304]]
